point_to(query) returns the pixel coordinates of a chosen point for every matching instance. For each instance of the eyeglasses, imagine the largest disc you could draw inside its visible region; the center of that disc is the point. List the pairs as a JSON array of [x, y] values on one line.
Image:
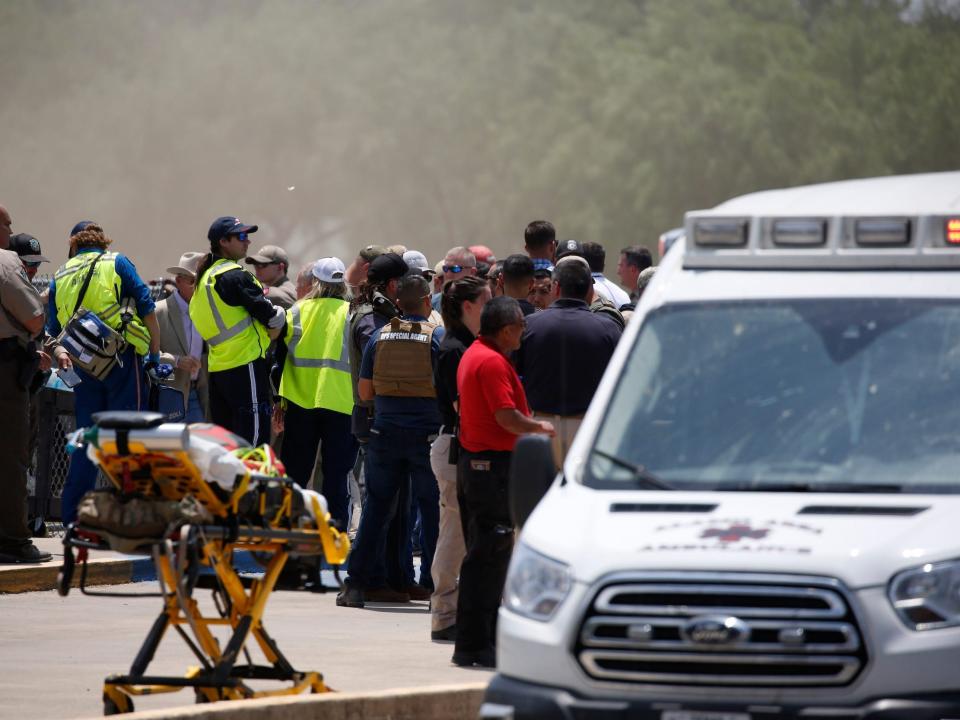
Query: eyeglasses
[[242, 237], [455, 269]]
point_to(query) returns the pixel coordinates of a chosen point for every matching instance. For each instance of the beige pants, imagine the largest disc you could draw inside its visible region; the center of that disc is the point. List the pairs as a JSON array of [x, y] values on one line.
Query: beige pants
[[566, 428], [450, 546]]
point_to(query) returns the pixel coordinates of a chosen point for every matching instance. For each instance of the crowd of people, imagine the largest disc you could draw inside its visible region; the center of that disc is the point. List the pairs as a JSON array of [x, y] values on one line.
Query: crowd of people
[[396, 388]]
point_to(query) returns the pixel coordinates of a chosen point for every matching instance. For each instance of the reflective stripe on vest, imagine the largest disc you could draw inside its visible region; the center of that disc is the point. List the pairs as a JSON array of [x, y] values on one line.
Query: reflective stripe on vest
[[102, 295], [234, 344], [317, 330], [341, 363]]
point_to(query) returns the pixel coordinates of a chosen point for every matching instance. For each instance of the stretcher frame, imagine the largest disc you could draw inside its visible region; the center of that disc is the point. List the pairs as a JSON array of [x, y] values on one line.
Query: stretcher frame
[[240, 602]]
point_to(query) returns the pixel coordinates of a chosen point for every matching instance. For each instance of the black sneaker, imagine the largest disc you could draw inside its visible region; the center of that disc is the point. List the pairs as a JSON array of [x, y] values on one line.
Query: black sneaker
[[448, 634], [29, 553], [350, 597], [482, 658]]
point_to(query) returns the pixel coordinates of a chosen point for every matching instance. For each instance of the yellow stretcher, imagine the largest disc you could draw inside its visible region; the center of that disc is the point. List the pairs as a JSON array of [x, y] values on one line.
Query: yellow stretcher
[[148, 462]]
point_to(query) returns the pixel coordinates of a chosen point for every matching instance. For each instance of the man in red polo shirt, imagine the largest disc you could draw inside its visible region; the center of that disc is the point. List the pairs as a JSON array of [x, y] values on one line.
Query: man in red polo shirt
[[493, 414]]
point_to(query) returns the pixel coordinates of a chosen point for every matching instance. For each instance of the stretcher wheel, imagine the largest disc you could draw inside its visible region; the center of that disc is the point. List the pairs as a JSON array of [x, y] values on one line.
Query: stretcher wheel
[[202, 695], [65, 576], [110, 707]]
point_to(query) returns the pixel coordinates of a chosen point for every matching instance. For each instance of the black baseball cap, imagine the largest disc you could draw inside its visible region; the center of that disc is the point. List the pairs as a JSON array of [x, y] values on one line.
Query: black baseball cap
[[27, 247], [386, 267], [569, 247], [228, 225]]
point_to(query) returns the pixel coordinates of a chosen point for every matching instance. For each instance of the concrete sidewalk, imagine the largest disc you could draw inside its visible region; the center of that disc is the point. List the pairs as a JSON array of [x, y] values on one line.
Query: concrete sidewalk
[[55, 652], [105, 568]]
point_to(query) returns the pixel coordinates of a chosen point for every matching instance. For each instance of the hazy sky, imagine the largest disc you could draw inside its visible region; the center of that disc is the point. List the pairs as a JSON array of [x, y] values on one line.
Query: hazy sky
[[153, 118]]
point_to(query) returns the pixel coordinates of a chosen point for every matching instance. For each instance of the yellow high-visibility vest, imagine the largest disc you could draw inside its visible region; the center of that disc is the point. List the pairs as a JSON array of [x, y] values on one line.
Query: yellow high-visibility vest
[[232, 334], [102, 296], [316, 373]]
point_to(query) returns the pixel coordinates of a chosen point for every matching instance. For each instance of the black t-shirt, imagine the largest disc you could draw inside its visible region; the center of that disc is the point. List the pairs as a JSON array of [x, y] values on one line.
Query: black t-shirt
[[452, 348], [237, 287]]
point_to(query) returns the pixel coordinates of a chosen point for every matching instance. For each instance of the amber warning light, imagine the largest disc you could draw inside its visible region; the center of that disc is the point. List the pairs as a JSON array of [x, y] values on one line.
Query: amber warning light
[[953, 231]]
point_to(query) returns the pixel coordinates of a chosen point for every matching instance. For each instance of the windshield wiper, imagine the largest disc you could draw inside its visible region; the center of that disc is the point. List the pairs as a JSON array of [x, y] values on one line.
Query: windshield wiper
[[812, 487], [641, 475]]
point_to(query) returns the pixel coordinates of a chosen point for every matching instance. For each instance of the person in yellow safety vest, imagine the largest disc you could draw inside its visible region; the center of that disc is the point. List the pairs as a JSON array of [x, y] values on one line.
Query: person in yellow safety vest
[[113, 285], [315, 387], [237, 322]]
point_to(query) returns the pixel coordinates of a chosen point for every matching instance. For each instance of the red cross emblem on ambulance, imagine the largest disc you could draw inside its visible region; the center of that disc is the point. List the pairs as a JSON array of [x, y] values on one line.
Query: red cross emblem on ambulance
[[735, 533]]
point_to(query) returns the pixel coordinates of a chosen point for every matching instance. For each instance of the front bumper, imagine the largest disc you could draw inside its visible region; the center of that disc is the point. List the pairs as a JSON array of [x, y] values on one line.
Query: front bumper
[[509, 699]]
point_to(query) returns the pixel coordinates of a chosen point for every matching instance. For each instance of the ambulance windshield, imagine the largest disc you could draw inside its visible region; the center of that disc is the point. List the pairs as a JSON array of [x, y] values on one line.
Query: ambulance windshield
[[841, 395]]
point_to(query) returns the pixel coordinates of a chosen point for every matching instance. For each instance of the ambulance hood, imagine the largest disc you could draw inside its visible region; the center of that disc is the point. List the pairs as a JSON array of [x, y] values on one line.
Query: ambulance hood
[[862, 539]]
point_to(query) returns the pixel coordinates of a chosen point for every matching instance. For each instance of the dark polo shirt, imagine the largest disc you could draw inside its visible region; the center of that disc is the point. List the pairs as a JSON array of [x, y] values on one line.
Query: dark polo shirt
[[563, 354], [452, 348]]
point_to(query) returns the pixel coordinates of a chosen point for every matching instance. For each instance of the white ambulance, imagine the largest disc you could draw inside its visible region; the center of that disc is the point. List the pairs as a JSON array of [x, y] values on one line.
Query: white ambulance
[[760, 516]]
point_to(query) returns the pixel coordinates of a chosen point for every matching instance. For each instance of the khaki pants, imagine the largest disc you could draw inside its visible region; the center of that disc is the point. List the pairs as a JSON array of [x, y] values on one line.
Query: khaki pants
[[450, 546], [566, 427]]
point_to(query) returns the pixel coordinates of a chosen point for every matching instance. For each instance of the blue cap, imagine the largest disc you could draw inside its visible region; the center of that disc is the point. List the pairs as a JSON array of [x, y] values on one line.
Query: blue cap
[[228, 225], [82, 225]]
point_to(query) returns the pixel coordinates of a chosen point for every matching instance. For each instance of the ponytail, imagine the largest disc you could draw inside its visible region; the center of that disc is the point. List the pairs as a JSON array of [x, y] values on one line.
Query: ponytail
[[454, 294], [204, 265]]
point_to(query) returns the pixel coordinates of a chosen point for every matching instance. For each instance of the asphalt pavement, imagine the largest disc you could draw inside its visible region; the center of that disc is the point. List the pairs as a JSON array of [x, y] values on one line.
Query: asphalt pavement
[[55, 652]]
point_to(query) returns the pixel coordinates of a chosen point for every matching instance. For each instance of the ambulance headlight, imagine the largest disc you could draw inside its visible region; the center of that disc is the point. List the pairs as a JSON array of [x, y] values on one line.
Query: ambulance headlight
[[536, 585], [928, 597]]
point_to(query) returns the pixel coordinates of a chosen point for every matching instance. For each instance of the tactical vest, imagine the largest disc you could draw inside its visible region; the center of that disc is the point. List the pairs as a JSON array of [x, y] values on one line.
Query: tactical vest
[[316, 373], [356, 354], [403, 366], [233, 336], [605, 307], [103, 295]]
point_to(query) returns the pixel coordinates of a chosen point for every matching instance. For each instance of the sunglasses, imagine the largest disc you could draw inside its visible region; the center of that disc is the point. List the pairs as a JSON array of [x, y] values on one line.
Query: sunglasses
[[242, 237], [264, 264], [455, 269], [32, 264]]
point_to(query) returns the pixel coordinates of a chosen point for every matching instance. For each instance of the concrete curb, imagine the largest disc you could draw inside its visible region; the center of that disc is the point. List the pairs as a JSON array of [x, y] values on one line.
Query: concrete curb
[[441, 702], [104, 571]]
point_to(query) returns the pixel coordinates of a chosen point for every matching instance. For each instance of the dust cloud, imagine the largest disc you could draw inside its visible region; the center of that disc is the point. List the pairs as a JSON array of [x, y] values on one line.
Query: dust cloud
[[331, 125]]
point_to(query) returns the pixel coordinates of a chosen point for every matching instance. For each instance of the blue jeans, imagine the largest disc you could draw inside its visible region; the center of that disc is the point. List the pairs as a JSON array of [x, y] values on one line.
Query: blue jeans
[[425, 499], [397, 458], [194, 408], [121, 389]]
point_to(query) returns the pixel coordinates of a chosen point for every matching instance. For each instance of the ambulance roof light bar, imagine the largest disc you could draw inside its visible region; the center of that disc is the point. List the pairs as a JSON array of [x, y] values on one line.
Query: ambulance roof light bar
[[726, 241]]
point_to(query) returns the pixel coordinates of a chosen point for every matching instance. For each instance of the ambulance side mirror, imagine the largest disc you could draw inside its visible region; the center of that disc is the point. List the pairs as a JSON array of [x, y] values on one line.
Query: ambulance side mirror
[[531, 473]]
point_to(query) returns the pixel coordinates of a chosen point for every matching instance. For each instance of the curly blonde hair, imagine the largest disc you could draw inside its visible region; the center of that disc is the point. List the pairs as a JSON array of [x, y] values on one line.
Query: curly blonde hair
[[92, 236]]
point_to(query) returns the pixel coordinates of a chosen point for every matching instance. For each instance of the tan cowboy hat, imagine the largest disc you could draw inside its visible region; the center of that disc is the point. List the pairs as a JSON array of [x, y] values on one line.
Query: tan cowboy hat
[[189, 262]]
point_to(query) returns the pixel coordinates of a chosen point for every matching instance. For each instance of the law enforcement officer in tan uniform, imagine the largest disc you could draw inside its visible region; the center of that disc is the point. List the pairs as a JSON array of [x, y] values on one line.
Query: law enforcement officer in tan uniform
[[21, 320], [396, 372]]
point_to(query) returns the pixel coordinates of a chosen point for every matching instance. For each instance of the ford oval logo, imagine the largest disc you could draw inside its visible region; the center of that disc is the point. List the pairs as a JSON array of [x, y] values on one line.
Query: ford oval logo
[[716, 630]]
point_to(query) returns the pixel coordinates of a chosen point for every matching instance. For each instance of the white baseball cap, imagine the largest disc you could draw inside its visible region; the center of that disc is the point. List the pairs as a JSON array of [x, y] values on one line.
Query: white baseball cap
[[416, 259], [329, 269]]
